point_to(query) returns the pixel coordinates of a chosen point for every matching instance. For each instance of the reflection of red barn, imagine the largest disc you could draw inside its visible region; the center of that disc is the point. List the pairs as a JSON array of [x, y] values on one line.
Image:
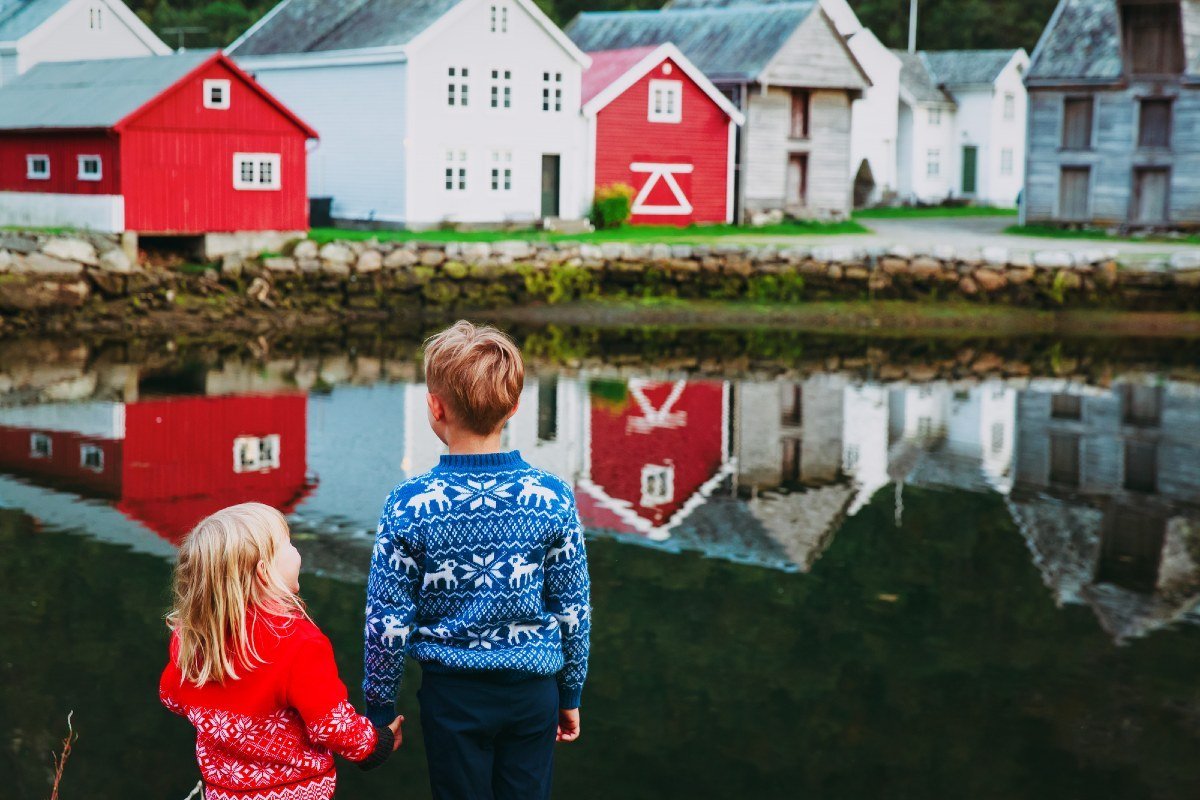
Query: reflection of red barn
[[655, 458], [166, 463], [664, 129]]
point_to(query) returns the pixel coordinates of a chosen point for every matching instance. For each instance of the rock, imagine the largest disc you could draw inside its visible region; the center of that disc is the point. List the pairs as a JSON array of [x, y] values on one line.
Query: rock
[[900, 251], [231, 265], [34, 294], [1094, 256], [42, 264], [1052, 259], [18, 244], [612, 251], [681, 251], [432, 258], [305, 249], [995, 255], [400, 257], [260, 291], [1189, 259], [945, 252], [759, 219], [335, 269], [279, 264], [474, 252], [660, 252], [1020, 258], [841, 252], [893, 266], [738, 266], [968, 287], [1106, 274], [591, 252], [1189, 278], [1019, 275], [1068, 279], [834, 272], [72, 250], [116, 261], [989, 280], [308, 265], [6, 260], [856, 272], [334, 253], [924, 267], [455, 270], [514, 249], [369, 261]]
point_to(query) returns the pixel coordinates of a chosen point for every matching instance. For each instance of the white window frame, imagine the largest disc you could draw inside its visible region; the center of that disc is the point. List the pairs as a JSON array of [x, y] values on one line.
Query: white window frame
[[86, 450], [501, 171], [552, 89], [501, 95], [256, 453], [31, 173], [90, 176], [935, 117], [658, 485], [499, 18], [96, 18], [457, 95], [933, 163], [1010, 106], [454, 175], [665, 114], [1007, 160], [36, 438], [255, 183], [217, 83]]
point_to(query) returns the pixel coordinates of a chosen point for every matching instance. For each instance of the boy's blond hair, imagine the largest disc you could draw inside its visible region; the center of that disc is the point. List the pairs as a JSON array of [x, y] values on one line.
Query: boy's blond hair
[[477, 371], [217, 585]]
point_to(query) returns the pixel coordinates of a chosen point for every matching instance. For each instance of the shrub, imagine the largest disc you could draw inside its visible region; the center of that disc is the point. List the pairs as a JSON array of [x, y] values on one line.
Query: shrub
[[611, 207]]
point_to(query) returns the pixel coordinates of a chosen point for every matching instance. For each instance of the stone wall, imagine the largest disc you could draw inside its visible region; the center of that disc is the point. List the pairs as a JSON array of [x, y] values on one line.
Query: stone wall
[[47, 275]]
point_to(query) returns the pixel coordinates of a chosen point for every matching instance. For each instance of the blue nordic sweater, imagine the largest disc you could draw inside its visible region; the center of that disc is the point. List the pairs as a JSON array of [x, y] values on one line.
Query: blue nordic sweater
[[479, 566]]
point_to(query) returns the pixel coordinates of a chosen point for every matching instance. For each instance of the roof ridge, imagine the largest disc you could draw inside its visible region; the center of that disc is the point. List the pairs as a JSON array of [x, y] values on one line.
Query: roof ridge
[[756, 8], [340, 24]]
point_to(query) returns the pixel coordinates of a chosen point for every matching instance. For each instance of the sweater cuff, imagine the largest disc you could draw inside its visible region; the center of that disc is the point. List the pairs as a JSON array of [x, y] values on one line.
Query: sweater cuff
[[569, 696], [384, 741], [381, 716]]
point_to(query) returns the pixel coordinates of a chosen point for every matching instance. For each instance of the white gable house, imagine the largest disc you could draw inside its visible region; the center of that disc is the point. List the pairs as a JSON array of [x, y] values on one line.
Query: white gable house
[[34, 31], [962, 126], [449, 111]]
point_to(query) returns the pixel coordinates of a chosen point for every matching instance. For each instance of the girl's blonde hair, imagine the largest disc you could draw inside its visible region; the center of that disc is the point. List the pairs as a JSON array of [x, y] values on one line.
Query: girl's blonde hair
[[217, 585]]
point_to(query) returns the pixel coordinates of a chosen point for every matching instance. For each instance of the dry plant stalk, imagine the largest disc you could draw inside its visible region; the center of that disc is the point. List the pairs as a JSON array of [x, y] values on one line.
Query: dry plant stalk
[[60, 762]]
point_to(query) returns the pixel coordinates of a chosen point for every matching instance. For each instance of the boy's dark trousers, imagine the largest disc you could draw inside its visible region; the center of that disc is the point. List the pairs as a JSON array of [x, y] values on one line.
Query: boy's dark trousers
[[488, 738]]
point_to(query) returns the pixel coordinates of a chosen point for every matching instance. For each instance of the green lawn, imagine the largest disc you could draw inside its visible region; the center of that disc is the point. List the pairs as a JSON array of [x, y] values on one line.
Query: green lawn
[[1052, 232], [647, 234], [934, 211]]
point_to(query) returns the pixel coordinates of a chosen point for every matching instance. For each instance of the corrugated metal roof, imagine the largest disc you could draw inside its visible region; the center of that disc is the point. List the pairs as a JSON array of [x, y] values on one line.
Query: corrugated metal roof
[[917, 81], [726, 44], [964, 67], [18, 18], [310, 26], [607, 66], [90, 94], [1083, 42]]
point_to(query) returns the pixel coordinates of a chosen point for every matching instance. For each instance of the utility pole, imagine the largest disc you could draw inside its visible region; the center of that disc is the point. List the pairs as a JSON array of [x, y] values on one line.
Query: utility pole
[[912, 26], [183, 30]]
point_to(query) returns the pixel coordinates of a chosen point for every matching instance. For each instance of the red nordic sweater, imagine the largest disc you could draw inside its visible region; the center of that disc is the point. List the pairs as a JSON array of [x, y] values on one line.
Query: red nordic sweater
[[271, 734]]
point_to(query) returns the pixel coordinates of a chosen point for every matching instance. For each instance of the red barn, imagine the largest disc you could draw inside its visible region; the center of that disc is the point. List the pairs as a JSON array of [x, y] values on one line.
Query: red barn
[[167, 463], [180, 144], [662, 127]]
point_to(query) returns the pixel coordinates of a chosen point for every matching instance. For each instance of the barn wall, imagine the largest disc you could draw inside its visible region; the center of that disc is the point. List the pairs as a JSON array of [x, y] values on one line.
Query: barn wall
[[624, 135], [63, 150]]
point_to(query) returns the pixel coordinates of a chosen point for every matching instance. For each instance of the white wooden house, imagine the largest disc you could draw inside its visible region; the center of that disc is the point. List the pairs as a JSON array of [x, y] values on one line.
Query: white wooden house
[[786, 67], [449, 111], [34, 31], [962, 126]]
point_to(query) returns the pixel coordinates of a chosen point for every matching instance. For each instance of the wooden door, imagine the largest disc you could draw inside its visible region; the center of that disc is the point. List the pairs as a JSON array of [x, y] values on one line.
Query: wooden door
[[797, 180], [1073, 191], [1150, 188], [970, 167], [550, 185]]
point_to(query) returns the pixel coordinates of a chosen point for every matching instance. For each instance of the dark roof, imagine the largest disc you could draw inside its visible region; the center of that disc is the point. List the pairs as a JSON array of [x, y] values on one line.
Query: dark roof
[[1083, 42], [964, 67], [677, 5], [917, 80], [91, 94], [18, 18], [310, 26], [726, 44]]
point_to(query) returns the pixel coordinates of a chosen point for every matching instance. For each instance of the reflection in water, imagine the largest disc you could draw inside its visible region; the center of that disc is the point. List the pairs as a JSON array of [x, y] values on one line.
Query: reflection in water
[[864, 509]]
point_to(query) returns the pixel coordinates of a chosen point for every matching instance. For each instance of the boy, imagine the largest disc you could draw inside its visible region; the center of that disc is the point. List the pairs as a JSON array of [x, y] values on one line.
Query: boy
[[479, 573]]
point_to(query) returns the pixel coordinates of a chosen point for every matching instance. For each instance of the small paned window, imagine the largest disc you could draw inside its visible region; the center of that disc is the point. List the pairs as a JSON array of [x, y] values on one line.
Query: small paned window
[[1077, 123], [801, 102], [1006, 161], [40, 445], [256, 453], [456, 87], [90, 168], [666, 101], [256, 171], [455, 171], [95, 18], [91, 457], [501, 88], [216, 94], [1154, 123], [37, 168], [1010, 106], [499, 19], [502, 171], [935, 116], [552, 92], [933, 163]]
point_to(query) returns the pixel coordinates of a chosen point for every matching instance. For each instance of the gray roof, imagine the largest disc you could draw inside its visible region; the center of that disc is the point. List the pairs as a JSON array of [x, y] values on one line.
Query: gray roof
[[310, 26], [917, 80], [90, 94], [726, 44], [1083, 42], [18, 18], [966, 67], [684, 4]]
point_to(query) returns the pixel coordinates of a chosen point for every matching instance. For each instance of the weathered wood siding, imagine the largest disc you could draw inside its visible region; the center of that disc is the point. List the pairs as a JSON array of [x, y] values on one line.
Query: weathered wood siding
[[1114, 156], [768, 146], [815, 57]]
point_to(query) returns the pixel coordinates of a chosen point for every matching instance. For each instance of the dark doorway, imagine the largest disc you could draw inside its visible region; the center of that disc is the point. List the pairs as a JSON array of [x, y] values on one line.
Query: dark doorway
[[1131, 543], [550, 181], [970, 167], [1150, 187], [797, 179]]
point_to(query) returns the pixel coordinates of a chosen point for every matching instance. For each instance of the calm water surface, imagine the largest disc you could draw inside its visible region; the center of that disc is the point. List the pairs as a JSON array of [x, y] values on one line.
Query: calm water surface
[[824, 585]]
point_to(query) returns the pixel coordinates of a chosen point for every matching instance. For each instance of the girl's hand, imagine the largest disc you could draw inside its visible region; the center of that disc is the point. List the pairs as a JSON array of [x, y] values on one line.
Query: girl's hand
[[397, 736], [568, 725]]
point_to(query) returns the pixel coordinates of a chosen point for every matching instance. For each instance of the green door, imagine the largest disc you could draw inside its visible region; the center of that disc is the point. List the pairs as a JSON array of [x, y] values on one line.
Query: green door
[[970, 165], [550, 166]]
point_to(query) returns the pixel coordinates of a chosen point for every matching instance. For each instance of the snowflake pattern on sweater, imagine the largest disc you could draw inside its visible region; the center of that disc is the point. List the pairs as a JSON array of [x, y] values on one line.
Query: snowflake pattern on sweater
[[479, 565]]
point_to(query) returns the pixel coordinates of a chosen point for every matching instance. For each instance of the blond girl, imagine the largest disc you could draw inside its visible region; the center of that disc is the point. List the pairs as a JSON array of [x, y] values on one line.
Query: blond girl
[[252, 672]]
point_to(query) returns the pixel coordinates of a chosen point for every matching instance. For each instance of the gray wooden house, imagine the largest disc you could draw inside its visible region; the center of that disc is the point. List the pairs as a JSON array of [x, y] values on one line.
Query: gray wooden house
[[1114, 116], [787, 69]]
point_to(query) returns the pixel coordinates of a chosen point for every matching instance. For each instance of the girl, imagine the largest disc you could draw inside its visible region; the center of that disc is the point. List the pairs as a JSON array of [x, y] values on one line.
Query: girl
[[253, 673]]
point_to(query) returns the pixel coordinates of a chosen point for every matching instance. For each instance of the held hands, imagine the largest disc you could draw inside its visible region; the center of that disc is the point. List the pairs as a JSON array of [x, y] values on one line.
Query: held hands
[[568, 725], [397, 735]]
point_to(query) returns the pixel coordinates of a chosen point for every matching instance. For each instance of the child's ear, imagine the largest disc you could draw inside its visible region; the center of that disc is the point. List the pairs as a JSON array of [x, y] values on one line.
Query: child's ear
[[437, 409], [261, 571]]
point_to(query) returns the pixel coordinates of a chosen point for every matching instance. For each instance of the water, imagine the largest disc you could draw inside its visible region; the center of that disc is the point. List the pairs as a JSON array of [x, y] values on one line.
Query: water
[[833, 568]]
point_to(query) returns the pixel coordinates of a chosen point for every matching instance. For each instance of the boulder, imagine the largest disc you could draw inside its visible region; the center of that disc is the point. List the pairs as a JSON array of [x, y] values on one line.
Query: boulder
[[279, 264], [369, 261], [16, 243], [591, 252], [990, 280], [1052, 259], [6, 260], [900, 251], [72, 250], [42, 264], [432, 258], [660, 252], [612, 251], [968, 287], [475, 252], [335, 253], [305, 249], [33, 294], [925, 267], [893, 266], [116, 261], [1189, 259], [995, 255], [1189, 278], [681, 251], [455, 270], [514, 249], [400, 257], [232, 265]]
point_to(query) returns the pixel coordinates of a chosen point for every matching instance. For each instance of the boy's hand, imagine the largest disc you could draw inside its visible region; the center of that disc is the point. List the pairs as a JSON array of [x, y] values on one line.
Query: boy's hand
[[397, 736], [568, 725]]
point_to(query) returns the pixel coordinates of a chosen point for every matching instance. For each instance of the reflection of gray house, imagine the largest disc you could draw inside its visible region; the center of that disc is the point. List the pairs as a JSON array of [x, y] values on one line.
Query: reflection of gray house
[[1108, 498]]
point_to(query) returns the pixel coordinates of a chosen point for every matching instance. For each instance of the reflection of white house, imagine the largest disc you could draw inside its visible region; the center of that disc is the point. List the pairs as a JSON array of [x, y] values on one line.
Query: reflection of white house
[[37, 31], [962, 126], [865, 441]]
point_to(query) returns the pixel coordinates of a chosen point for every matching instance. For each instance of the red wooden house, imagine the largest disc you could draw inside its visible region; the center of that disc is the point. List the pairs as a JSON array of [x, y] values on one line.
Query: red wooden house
[[167, 463], [660, 126], [656, 457], [180, 144]]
